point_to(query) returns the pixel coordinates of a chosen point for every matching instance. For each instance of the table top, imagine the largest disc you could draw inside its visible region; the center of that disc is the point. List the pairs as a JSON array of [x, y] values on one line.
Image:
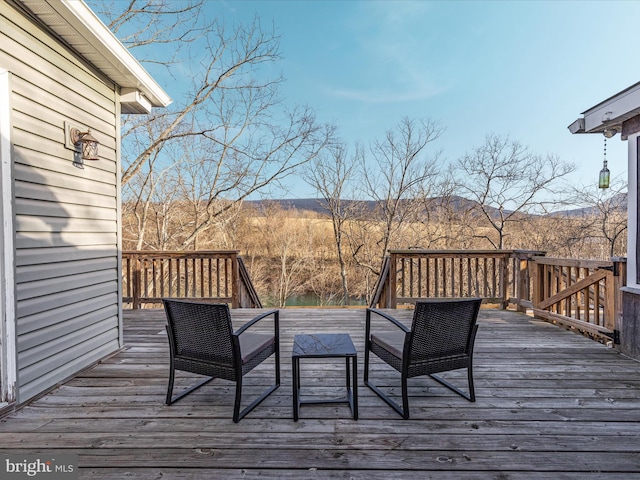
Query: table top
[[323, 345]]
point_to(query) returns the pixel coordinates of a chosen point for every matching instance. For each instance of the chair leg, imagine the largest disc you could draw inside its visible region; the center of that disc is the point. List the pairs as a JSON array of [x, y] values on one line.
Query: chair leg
[[366, 366], [471, 396], [387, 400], [405, 398], [239, 415], [277, 366], [238, 399], [404, 413], [379, 392], [170, 400], [170, 387]]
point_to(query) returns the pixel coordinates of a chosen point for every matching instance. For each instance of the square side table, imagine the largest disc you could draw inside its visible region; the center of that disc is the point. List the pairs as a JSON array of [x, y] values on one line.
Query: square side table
[[325, 345]]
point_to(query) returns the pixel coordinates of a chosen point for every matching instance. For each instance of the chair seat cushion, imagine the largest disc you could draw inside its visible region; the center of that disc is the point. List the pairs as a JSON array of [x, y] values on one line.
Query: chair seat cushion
[[392, 342], [252, 344]]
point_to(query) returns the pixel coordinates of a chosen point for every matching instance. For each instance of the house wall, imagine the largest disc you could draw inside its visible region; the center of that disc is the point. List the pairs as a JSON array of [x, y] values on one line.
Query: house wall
[[630, 330], [66, 218]]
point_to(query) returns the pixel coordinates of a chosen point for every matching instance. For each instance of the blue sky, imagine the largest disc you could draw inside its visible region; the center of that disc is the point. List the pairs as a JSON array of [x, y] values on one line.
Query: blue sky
[[522, 68], [526, 69]]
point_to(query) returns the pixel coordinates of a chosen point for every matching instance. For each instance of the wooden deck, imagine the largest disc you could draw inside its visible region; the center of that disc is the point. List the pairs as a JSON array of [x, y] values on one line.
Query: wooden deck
[[550, 405]]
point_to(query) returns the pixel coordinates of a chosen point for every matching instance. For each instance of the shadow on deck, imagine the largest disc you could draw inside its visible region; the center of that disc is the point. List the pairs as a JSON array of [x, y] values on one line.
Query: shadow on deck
[[550, 404]]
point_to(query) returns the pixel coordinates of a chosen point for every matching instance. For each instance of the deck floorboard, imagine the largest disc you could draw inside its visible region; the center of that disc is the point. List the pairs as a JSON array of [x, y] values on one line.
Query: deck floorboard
[[551, 404]]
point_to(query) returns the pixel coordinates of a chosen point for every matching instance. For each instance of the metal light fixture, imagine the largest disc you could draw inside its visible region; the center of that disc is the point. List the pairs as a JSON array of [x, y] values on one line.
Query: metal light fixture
[[85, 143], [603, 181]]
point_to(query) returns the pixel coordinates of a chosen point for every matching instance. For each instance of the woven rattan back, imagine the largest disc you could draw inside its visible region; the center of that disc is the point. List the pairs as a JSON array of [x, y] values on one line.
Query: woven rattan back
[[200, 330], [442, 327]]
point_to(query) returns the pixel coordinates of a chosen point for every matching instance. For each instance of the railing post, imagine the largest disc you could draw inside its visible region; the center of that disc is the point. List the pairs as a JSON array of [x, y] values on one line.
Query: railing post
[[619, 281], [235, 275], [524, 282], [522, 290], [393, 280], [504, 276], [537, 277], [136, 287], [609, 301]]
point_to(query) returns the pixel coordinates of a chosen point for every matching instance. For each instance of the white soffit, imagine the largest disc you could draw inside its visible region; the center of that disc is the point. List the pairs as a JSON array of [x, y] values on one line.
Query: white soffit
[[75, 23], [610, 113]]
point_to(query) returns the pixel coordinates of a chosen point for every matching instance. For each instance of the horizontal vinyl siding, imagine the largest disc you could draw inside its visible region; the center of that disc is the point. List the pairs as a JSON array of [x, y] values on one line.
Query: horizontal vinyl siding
[[42, 256], [75, 360], [32, 273], [65, 217], [39, 336], [58, 316]]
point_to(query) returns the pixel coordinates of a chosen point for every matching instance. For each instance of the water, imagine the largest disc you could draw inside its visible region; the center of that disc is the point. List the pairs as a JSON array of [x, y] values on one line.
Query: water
[[313, 300]]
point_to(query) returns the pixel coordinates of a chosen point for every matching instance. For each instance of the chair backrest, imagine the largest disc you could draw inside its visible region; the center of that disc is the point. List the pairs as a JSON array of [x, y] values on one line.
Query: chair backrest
[[200, 330], [442, 327]]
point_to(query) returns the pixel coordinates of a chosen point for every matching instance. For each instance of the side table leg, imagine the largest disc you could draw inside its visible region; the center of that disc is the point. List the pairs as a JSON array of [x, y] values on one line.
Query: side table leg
[[355, 387], [296, 387]]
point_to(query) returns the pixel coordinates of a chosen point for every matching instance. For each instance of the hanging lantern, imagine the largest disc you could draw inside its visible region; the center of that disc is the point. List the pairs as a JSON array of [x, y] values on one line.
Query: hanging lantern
[[603, 181]]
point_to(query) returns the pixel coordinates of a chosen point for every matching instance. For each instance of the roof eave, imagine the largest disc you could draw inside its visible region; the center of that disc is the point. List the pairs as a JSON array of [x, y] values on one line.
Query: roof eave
[[609, 114], [76, 24]]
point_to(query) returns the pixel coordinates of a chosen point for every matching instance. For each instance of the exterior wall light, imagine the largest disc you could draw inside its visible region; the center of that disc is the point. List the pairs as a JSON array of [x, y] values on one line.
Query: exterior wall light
[[85, 143]]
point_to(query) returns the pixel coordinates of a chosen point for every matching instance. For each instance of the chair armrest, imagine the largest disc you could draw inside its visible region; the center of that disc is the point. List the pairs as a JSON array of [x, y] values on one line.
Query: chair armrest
[[276, 319], [386, 316]]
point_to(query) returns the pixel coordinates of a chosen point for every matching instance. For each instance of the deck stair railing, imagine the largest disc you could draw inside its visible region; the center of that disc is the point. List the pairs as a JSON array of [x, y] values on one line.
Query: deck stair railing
[[217, 276], [580, 294]]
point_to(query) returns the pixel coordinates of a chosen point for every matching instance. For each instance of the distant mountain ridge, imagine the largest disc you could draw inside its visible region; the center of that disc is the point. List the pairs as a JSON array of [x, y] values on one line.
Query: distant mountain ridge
[[461, 204], [320, 205]]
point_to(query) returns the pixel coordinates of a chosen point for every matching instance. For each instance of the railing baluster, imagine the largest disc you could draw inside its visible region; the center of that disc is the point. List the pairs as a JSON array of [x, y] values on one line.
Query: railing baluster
[[210, 267], [469, 281], [419, 279]]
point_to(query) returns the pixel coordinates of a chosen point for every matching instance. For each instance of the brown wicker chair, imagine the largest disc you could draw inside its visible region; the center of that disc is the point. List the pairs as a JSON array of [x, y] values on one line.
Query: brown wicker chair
[[441, 338], [202, 341]]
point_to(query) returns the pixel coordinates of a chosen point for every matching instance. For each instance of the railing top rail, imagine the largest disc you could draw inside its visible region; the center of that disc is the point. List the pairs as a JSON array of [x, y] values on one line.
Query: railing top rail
[[453, 253], [175, 253], [419, 251], [573, 262]]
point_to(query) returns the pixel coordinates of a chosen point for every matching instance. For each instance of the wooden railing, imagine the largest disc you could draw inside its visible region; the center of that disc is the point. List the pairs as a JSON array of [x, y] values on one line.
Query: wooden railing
[[217, 276], [578, 294], [498, 276]]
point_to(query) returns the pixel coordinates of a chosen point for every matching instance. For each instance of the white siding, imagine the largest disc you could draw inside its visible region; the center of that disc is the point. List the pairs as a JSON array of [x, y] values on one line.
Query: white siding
[[632, 208], [66, 218], [8, 369]]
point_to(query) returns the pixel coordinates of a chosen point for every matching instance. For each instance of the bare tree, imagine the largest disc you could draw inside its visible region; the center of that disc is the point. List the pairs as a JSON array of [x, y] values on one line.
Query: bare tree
[[287, 241], [331, 175], [150, 212], [396, 172], [602, 215], [231, 119], [143, 23], [507, 180]]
